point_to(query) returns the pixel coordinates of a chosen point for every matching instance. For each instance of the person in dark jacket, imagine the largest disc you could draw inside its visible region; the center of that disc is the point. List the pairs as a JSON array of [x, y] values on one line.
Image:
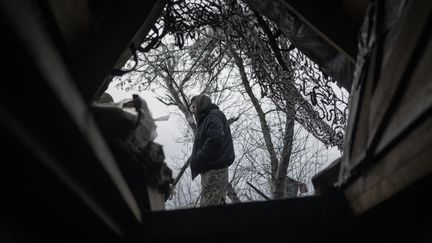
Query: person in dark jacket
[[213, 150]]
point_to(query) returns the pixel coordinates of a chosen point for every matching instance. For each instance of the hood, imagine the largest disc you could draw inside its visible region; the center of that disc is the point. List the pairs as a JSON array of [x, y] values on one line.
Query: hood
[[203, 101], [204, 105]]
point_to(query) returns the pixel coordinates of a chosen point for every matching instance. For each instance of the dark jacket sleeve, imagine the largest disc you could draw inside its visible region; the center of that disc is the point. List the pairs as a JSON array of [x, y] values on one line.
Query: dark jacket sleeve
[[213, 139]]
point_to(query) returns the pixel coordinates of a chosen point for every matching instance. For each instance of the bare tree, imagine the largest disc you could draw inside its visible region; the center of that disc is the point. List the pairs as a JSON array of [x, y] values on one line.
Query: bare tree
[[317, 106], [278, 166], [223, 48], [178, 74]]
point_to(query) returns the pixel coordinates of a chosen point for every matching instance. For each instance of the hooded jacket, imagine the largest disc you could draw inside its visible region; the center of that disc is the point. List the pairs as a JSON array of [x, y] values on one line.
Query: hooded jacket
[[213, 146]]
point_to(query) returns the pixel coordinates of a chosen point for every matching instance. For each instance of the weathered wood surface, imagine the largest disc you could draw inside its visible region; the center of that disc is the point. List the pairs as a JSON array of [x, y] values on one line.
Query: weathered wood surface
[[74, 20], [95, 36], [51, 118], [399, 57], [416, 100], [109, 47], [325, 181], [392, 139], [250, 222], [327, 20], [406, 163], [357, 149]]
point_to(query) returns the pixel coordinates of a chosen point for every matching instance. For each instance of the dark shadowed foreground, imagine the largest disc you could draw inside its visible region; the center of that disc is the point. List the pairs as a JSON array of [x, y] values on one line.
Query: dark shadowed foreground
[[62, 179]]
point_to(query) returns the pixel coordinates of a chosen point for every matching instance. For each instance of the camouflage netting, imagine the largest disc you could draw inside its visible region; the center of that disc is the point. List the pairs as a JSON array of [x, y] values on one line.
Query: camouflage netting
[[285, 75]]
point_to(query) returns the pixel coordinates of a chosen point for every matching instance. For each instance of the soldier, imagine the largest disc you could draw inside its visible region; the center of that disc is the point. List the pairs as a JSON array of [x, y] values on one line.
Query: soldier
[[213, 150]]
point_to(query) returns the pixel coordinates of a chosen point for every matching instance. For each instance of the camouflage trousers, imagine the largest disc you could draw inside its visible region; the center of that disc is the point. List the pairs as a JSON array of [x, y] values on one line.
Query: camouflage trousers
[[214, 184]]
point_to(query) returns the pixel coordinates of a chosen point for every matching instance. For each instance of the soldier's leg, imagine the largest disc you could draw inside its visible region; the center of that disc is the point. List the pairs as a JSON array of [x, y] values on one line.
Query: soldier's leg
[[214, 184]]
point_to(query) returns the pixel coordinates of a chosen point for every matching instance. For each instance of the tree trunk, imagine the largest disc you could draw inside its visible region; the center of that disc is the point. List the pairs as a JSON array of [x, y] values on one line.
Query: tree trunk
[[182, 105], [281, 175], [261, 116], [304, 108]]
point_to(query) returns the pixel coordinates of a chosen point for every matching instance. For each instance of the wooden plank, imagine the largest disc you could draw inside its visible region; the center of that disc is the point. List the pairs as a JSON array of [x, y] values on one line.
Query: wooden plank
[[74, 20], [155, 198], [415, 101], [128, 22], [405, 64], [326, 217], [61, 130], [35, 204], [407, 32], [328, 22], [142, 31], [324, 181], [354, 108], [359, 142], [148, 197], [358, 97], [355, 9], [406, 163]]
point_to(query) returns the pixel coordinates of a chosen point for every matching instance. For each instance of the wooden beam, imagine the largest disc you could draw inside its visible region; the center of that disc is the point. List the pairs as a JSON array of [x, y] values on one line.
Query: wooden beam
[[263, 221], [405, 48], [36, 205], [354, 9], [324, 181], [406, 163], [414, 103], [378, 113], [129, 21], [74, 21], [399, 120], [155, 198], [52, 119], [328, 22]]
